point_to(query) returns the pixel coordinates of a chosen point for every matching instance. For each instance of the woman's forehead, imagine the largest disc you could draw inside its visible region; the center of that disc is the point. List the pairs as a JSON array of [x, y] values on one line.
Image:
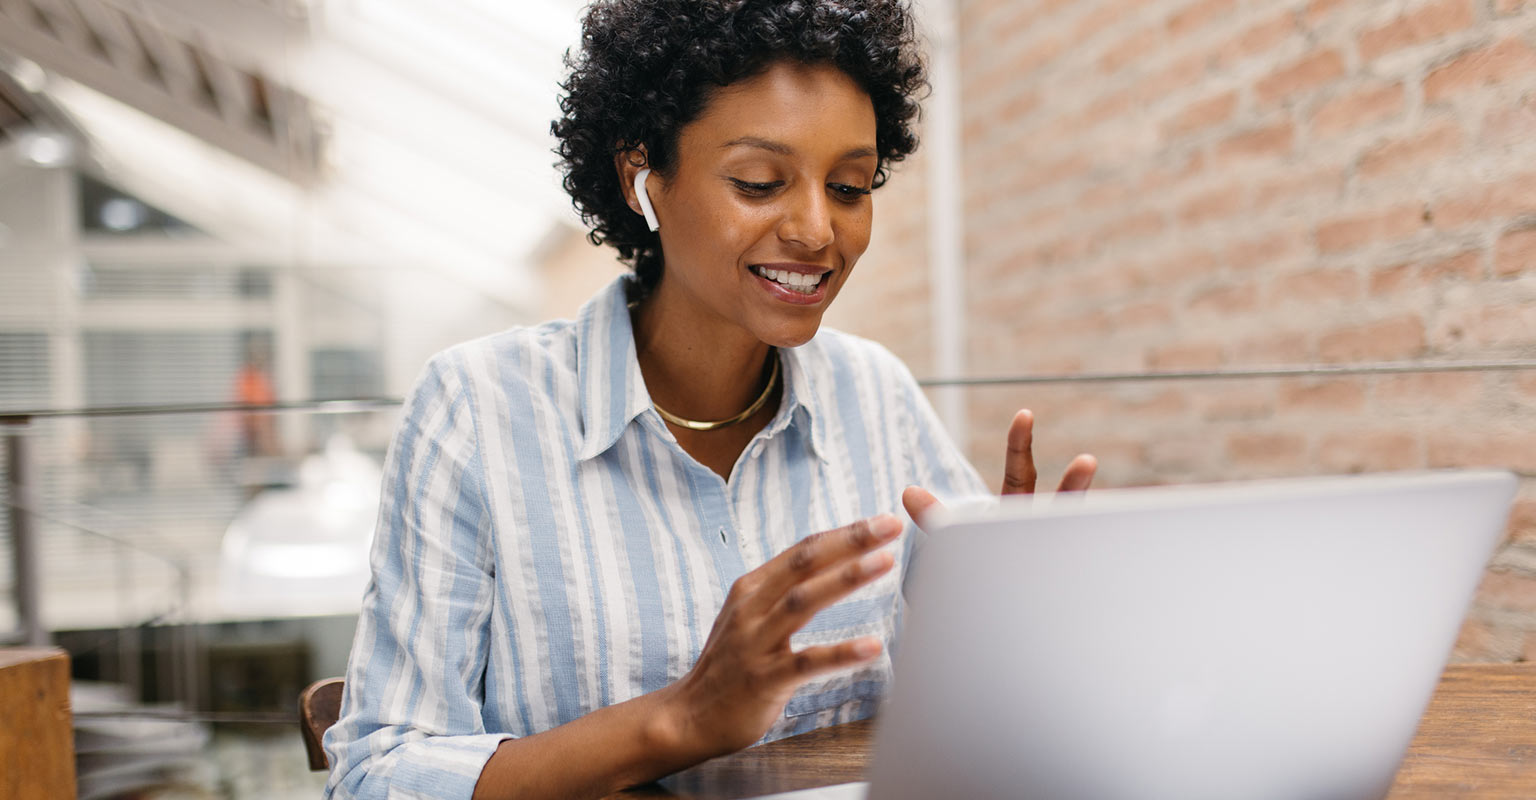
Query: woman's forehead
[[788, 109]]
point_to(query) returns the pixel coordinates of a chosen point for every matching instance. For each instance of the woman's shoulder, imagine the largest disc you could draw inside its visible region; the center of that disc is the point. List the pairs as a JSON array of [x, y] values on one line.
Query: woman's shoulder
[[520, 358]]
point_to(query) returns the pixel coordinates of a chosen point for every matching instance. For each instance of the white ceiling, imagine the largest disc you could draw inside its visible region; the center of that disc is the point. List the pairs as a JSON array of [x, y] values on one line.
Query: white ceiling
[[431, 119]]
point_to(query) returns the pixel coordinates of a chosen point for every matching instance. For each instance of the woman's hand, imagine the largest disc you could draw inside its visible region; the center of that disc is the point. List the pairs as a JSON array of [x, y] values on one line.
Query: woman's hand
[[1018, 469], [747, 670]]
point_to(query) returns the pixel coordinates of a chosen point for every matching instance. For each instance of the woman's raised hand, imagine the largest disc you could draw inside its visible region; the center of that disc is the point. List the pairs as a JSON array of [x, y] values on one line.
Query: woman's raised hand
[[747, 670], [1018, 468]]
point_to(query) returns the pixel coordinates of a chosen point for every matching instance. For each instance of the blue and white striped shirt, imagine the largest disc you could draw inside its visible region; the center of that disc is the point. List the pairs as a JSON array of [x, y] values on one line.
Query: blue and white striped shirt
[[545, 547]]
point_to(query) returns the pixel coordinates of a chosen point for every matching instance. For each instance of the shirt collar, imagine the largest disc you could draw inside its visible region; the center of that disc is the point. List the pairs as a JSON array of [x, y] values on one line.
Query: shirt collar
[[613, 392], [612, 389]]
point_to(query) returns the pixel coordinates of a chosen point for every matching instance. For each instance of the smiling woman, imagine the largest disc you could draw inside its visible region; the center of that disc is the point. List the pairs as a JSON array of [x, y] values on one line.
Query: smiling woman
[[614, 547]]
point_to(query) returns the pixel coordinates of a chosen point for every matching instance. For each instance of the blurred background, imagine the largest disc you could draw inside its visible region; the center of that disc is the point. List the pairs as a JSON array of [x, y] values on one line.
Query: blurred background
[[1202, 239]]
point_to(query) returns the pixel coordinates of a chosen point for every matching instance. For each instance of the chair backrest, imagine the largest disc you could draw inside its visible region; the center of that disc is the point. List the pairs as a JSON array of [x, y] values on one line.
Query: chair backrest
[[319, 706]]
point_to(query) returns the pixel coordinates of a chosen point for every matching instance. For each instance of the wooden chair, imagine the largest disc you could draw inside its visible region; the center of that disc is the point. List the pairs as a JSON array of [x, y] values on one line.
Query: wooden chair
[[319, 706]]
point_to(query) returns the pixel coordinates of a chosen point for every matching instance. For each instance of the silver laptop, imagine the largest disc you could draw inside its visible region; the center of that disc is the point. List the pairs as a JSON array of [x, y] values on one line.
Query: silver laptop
[[1275, 639]]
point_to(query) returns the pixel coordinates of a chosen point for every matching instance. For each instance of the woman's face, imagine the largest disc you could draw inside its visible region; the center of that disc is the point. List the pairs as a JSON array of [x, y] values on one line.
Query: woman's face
[[768, 206]]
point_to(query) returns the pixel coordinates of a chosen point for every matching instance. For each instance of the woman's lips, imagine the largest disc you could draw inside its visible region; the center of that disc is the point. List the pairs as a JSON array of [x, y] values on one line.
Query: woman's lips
[[790, 294]]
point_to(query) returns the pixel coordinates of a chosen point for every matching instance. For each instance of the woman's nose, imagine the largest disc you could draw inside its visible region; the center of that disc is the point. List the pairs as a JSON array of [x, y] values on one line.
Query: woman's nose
[[808, 220]]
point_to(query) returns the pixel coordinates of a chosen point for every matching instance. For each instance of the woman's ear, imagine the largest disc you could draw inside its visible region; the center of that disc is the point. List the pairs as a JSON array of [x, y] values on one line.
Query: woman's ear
[[631, 163]]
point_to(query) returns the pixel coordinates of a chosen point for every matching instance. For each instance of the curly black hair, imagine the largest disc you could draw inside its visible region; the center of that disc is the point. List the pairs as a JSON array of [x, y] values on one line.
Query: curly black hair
[[646, 68]]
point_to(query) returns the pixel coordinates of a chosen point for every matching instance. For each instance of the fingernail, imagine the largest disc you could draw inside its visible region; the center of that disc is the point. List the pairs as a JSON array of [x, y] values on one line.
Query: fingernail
[[874, 562], [866, 648], [885, 526]]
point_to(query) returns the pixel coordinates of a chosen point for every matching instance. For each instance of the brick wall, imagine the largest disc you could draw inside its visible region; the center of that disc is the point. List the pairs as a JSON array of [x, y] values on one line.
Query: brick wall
[[1166, 184]]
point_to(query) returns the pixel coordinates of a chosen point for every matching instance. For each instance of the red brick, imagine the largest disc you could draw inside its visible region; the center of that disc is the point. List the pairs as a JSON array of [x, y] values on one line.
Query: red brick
[[1309, 73], [1130, 49], [1056, 251], [1110, 194], [1108, 107], [1398, 278], [1167, 403], [1526, 383], [1138, 225], [1271, 140], [1237, 404], [1391, 339], [1428, 391], [1487, 66], [1321, 285], [1508, 450], [1522, 521], [1329, 395], [1369, 451], [1181, 73], [1258, 39], [1377, 226], [1358, 107], [1298, 185], [1430, 21], [1319, 10], [1266, 448], [1184, 356], [1201, 114], [1179, 267], [1237, 299], [1491, 202], [1509, 124], [1143, 314], [1220, 203], [1481, 642], [1112, 453], [1197, 14], [1265, 250], [1393, 279], [1516, 253], [1160, 177], [1275, 348], [1503, 326], [1017, 108], [1439, 142], [1098, 18], [1462, 266], [1507, 591]]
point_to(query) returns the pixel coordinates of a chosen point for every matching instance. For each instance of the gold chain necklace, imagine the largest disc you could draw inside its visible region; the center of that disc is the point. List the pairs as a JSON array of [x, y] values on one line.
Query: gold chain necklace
[[757, 405]]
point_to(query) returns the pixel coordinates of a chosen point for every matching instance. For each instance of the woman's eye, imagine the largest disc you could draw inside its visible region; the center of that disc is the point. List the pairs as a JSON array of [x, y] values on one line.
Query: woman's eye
[[756, 189], [847, 192]]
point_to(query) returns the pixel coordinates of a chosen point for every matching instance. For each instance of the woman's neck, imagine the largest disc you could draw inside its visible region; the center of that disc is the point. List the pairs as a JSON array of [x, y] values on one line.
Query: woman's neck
[[696, 364]]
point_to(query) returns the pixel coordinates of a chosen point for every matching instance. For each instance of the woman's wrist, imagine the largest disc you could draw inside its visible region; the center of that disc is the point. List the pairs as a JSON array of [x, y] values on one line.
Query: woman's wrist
[[670, 730]]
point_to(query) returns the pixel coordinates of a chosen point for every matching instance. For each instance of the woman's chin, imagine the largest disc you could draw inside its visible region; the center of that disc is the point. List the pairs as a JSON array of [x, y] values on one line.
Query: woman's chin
[[791, 335]]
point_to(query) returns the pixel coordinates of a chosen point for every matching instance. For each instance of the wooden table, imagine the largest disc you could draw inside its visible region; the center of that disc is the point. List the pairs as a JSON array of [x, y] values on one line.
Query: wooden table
[[37, 741], [1478, 739]]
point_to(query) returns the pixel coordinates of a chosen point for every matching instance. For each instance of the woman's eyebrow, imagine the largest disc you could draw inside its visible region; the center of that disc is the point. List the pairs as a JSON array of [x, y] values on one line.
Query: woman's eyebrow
[[785, 150]]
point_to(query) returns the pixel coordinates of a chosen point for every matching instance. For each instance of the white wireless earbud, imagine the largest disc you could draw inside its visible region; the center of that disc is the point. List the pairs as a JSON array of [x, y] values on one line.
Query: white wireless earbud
[[645, 199]]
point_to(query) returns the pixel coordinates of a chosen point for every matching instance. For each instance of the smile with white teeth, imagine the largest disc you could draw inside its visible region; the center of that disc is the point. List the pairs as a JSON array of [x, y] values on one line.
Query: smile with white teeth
[[801, 282]]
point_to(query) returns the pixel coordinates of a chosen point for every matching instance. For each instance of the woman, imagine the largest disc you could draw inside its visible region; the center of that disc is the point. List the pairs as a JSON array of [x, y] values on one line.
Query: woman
[[594, 563]]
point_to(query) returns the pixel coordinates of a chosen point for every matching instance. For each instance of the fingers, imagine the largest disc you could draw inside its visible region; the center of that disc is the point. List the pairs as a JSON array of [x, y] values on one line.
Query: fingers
[[803, 600], [765, 586], [1079, 474], [917, 501], [1019, 463], [813, 661]]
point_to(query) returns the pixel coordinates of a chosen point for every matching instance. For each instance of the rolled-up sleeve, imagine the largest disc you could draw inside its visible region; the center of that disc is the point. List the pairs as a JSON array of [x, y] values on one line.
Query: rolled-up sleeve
[[411, 723]]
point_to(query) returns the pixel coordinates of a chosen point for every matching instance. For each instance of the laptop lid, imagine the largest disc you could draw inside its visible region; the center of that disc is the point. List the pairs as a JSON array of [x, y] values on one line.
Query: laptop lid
[[1267, 639]]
